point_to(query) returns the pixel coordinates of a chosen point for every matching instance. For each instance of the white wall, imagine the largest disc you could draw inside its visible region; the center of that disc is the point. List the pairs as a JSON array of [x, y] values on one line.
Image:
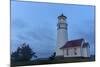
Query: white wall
[[71, 52], [85, 52], [78, 51], [61, 39]]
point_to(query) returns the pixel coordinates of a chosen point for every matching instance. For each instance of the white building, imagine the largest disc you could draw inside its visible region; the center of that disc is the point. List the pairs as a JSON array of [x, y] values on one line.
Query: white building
[[65, 48]]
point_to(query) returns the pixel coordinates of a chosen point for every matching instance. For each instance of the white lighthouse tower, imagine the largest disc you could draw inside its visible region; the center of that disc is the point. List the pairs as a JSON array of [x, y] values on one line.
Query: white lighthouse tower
[[62, 34]]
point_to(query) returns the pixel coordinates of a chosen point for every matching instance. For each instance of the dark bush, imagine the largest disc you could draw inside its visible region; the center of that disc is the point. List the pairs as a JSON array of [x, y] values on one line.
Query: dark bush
[[23, 53]]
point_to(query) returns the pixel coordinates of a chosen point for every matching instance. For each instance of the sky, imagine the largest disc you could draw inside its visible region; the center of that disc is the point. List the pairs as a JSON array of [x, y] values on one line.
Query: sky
[[36, 24]]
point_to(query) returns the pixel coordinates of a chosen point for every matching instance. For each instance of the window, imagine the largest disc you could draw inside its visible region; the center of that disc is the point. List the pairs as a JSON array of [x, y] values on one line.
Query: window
[[75, 53], [67, 51]]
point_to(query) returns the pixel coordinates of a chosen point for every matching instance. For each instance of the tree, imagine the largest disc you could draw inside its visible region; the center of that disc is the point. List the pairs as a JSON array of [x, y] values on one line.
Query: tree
[[23, 53], [52, 56]]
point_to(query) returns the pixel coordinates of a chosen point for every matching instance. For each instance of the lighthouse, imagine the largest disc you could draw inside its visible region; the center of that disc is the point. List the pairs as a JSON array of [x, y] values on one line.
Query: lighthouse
[[62, 34]]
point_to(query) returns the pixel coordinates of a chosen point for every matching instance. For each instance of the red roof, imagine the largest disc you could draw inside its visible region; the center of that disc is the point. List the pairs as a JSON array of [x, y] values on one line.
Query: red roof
[[73, 43]]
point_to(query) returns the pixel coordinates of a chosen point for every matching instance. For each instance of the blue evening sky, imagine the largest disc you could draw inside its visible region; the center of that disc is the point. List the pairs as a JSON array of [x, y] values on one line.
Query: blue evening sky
[[36, 23]]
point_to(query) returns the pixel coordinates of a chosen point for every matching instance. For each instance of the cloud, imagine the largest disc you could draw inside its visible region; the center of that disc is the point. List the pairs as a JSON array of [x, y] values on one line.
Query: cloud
[[39, 37], [36, 25]]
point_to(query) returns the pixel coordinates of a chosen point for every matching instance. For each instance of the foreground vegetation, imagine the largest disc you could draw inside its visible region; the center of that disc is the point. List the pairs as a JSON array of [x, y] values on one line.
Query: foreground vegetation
[[23, 55], [48, 61]]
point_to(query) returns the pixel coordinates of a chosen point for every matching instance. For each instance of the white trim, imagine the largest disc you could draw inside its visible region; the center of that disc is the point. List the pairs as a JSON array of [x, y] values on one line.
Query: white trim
[[84, 2], [83, 41]]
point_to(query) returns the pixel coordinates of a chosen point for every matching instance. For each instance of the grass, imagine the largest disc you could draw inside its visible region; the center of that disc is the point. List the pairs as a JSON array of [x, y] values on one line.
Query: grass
[[55, 61]]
